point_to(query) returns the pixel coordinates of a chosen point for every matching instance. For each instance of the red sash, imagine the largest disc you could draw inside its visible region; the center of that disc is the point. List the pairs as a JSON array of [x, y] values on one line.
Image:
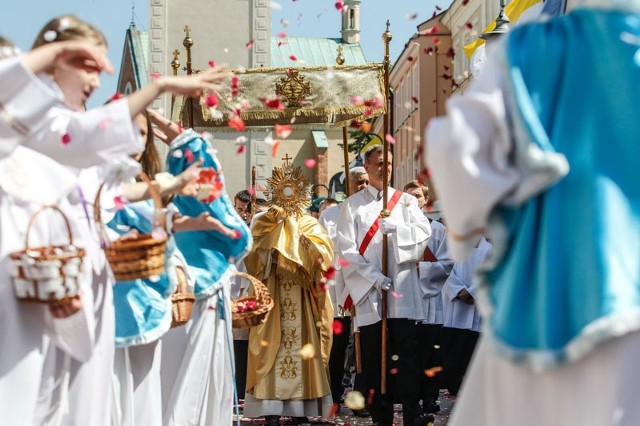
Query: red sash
[[375, 226], [428, 256]]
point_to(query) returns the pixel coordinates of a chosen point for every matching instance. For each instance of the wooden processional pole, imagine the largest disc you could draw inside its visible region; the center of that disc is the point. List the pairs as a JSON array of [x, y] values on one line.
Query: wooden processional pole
[[253, 187], [386, 38]]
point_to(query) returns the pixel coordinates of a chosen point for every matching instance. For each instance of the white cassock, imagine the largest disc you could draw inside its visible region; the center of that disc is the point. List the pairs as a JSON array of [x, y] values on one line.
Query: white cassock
[[97, 136], [363, 275], [24, 102], [434, 274], [458, 314]]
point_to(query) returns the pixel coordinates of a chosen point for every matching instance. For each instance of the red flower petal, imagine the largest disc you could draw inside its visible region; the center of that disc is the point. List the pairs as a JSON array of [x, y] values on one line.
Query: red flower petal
[[339, 5], [274, 147], [66, 139], [330, 273], [343, 262], [237, 123], [283, 131], [390, 138], [211, 100], [310, 163], [188, 155], [249, 45], [337, 327], [155, 75], [293, 58], [212, 64]]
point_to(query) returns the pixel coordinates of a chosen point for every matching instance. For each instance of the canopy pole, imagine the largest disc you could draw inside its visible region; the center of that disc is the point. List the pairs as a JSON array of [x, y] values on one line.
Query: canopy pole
[[386, 38]]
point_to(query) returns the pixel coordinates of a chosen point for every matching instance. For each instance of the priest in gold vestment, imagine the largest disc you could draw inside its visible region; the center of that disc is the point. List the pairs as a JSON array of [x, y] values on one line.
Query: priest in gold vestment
[[287, 372]]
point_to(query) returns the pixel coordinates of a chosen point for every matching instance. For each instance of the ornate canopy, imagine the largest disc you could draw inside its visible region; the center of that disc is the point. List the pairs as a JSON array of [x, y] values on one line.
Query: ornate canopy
[[308, 95]]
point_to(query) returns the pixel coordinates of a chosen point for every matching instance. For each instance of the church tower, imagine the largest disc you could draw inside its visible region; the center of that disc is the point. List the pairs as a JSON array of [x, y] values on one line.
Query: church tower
[[351, 22]]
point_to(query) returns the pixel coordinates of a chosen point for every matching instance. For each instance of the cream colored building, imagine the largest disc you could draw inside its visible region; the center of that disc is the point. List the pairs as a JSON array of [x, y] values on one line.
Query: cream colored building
[[221, 33], [420, 81]]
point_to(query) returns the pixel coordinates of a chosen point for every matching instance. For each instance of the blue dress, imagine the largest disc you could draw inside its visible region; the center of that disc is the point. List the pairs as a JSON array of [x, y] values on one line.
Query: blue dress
[[142, 307], [210, 255], [570, 275]]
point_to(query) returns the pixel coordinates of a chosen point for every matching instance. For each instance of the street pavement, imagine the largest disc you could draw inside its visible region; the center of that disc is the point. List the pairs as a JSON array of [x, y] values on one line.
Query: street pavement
[[346, 418]]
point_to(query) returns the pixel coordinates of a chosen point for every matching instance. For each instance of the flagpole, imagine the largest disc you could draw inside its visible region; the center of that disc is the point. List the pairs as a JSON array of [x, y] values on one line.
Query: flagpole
[[386, 38]]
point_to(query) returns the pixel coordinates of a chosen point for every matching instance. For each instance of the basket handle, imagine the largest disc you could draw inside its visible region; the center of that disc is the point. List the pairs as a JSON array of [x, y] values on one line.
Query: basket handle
[[36, 214], [155, 196], [248, 277]]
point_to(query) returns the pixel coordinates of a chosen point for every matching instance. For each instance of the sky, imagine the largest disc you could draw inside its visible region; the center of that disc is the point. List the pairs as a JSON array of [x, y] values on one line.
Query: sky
[[299, 18]]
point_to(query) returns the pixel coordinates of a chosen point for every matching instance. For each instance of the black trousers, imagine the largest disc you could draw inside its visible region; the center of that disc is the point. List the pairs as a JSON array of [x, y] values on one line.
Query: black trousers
[[430, 341], [240, 354], [404, 373], [458, 348], [337, 358]]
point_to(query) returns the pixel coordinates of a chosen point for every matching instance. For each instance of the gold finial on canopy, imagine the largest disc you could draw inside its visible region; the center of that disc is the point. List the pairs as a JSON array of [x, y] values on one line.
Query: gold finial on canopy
[[340, 57]]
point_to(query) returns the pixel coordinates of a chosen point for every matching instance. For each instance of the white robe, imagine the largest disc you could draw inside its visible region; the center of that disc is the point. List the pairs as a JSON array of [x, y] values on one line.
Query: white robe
[[137, 387], [24, 102], [458, 314], [197, 365], [434, 274], [33, 380], [337, 290], [100, 135], [363, 275]]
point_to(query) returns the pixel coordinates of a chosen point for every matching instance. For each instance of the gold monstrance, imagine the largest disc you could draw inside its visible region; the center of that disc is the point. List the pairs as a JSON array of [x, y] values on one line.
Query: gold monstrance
[[288, 189]]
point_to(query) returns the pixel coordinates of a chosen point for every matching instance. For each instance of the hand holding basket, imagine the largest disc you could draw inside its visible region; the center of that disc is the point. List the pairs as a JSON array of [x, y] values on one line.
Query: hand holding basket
[[142, 257], [47, 274]]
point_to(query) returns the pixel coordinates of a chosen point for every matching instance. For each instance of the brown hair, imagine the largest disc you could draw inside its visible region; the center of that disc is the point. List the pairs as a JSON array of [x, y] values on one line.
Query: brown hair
[[150, 160], [68, 27], [7, 48], [412, 185], [369, 152]]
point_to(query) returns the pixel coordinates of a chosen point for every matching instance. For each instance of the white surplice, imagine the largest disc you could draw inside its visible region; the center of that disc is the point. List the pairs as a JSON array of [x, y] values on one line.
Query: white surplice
[[363, 275], [458, 314], [434, 274], [337, 290]]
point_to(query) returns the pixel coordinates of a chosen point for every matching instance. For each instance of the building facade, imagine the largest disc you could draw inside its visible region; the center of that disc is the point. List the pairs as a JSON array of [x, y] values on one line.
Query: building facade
[[238, 33], [420, 82]]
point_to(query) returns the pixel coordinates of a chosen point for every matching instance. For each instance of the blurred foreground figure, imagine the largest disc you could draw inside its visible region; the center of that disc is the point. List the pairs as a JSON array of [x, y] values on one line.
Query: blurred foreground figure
[[540, 156]]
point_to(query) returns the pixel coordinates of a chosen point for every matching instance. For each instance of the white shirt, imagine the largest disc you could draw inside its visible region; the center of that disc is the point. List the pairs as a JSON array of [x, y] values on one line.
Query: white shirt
[[363, 275]]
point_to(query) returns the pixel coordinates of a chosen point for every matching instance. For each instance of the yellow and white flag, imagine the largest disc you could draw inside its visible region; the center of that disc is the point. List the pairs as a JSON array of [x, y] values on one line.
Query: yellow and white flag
[[514, 11]]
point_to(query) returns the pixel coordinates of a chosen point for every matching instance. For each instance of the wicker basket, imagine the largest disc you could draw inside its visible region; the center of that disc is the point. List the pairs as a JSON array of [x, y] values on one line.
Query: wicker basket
[[142, 257], [182, 300], [48, 274], [263, 301]]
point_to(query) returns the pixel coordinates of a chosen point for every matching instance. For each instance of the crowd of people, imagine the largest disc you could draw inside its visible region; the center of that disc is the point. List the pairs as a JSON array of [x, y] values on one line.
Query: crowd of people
[[433, 322], [534, 269]]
